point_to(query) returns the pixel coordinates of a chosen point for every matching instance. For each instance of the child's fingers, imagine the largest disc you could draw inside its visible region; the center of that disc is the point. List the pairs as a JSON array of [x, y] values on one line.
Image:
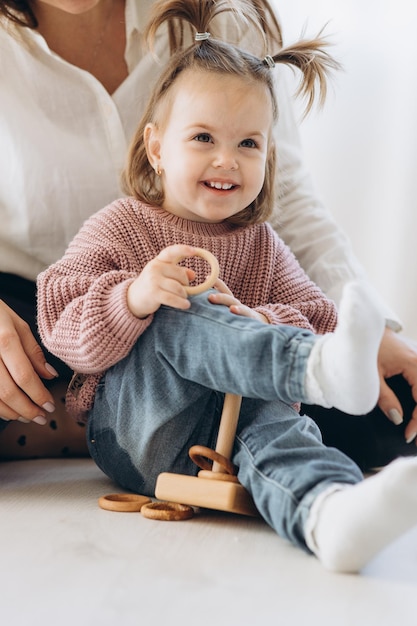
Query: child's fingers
[[222, 287]]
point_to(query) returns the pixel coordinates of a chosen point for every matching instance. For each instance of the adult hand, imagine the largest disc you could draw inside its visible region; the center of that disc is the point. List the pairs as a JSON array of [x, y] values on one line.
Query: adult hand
[[225, 296], [397, 356], [22, 363]]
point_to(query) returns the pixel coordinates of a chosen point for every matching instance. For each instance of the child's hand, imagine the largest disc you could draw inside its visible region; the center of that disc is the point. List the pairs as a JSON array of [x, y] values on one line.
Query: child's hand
[[161, 282], [224, 296]]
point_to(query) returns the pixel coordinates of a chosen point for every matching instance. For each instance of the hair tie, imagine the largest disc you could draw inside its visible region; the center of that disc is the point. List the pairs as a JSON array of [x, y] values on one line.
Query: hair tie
[[269, 61], [201, 36]]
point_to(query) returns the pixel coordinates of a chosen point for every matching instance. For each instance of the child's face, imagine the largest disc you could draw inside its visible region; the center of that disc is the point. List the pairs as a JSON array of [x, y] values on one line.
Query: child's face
[[213, 147]]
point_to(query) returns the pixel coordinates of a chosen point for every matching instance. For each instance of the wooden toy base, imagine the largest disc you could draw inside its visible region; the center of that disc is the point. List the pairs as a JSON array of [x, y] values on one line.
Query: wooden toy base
[[222, 495]]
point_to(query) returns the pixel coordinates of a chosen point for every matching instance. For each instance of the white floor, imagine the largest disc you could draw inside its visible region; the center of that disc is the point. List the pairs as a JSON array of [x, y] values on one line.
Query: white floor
[[66, 561]]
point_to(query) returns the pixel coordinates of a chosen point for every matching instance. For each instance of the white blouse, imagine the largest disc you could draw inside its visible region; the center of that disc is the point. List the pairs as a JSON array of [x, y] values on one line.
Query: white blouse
[[63, 143]]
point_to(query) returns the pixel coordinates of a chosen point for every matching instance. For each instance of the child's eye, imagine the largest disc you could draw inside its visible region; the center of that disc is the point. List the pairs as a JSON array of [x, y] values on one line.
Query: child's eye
[[204, 137], [248, 143]]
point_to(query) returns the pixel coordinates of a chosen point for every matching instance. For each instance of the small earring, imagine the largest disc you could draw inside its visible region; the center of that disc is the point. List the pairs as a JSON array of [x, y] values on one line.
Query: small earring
[[158, 170]]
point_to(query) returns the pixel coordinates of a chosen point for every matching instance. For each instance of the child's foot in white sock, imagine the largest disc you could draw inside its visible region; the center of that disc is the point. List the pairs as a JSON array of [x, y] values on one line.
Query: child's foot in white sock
[[342, 367], [347, 528]]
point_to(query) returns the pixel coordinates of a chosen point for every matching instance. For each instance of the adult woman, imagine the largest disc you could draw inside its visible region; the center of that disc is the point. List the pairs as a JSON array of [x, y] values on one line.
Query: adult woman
[[75, 77]]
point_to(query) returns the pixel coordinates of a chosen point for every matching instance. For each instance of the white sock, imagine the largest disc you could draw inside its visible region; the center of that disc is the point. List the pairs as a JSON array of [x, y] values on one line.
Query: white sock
[[347, 528], [342, 366]]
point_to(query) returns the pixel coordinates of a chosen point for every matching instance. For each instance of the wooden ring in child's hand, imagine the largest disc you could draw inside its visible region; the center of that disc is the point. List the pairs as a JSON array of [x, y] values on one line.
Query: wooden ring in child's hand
[[123, 502], [211, 279], [167, 511], [200, 454]]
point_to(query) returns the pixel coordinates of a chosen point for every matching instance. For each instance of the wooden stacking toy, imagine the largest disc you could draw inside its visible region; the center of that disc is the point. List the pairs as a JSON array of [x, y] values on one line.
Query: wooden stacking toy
[[216, 486]]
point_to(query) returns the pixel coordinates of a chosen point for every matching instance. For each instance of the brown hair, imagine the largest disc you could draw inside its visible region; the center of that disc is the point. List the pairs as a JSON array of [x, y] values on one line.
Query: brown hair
[[212, 55], [18, 11]]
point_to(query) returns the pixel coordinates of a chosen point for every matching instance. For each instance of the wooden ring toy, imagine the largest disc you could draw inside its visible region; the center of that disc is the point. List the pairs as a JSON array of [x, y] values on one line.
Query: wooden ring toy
[[200, 454], [211, 279], [167, 511], [210, 475], [123, 502]]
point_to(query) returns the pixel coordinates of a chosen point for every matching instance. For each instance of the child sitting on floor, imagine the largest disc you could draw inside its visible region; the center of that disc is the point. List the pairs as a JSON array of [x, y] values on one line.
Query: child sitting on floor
[[153, 365]]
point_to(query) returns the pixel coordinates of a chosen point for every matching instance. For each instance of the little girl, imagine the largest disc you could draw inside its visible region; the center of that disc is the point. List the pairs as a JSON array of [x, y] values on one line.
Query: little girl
[[153, 365]]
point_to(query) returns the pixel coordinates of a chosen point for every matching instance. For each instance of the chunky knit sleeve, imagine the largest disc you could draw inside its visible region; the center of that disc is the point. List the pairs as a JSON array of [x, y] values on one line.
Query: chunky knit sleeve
[[83, 316]]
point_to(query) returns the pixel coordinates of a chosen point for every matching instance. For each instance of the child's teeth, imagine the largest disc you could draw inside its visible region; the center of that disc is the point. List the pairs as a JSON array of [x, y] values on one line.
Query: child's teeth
[[220, 186]]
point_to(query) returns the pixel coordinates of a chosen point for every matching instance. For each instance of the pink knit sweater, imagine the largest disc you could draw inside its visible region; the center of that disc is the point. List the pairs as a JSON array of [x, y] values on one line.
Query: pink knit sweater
[[82, 310]]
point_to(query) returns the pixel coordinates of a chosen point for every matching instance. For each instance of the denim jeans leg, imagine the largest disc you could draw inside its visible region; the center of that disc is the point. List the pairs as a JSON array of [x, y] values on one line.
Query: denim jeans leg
[[209, 345], [284, 464], [142, 425]]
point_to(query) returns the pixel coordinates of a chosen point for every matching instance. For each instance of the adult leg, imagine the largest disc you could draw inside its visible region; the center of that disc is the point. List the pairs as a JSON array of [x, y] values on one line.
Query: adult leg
[[370, 440]]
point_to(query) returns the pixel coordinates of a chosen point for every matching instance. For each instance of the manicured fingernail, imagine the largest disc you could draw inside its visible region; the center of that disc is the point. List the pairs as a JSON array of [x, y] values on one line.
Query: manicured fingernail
[[411, 438], [40, 419], [48, 406], [395, 417], [23, 420], [5, 419], [51, 369]]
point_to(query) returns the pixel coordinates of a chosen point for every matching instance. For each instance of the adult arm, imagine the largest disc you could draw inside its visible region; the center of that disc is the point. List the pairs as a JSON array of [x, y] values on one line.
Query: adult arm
[[325, 253]]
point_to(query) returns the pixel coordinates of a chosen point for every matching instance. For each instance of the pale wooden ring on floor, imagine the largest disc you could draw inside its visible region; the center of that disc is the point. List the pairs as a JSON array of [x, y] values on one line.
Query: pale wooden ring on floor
[[123, 502], [200, 454], [211, 279], [167, 511]]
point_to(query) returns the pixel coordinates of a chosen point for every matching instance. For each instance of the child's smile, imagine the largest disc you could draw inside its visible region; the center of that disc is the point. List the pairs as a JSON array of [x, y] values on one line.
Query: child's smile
[[220, 186]]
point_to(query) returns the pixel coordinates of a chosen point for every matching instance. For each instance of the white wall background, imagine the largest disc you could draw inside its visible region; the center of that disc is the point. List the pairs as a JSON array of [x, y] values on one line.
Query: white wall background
[[362, 147]]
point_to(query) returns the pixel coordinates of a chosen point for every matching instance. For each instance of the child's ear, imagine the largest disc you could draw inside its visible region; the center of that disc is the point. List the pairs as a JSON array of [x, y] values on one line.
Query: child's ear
[[152, 145]]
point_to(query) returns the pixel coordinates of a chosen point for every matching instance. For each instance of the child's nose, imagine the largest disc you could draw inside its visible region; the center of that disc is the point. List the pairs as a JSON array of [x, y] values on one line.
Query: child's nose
[[225, 159]]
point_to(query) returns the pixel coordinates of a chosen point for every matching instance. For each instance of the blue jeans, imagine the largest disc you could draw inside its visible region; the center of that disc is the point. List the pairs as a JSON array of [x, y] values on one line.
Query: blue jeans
[[167, 395]]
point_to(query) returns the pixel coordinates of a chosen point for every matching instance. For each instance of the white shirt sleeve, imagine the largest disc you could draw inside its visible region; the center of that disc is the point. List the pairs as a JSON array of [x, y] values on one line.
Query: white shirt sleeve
[[306, 225]]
